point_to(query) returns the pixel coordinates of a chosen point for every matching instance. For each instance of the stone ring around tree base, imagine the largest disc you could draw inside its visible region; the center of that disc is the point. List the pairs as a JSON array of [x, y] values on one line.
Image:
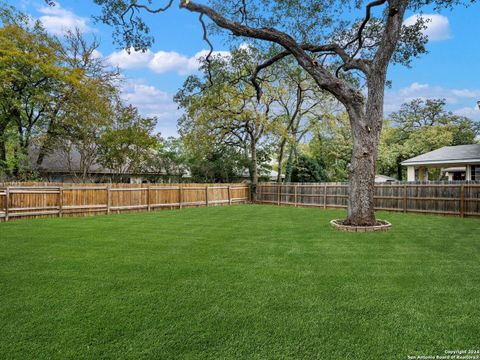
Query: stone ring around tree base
[[381, 225]]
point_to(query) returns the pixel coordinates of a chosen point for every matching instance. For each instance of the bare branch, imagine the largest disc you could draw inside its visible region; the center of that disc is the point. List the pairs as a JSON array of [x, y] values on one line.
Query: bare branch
[[262, 66], [368, 16], [208, 58], [147, 8]]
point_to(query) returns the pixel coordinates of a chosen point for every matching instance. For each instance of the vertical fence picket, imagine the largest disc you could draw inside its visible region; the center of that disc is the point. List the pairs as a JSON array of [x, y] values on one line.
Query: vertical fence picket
[[149, 201], [109, 199], [295, 195], [7, 202], [462, 200], [180, 196], [60, 201], [325, 196]]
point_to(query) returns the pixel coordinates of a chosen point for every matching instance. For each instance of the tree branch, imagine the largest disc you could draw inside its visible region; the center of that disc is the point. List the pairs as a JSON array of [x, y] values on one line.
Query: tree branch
[[147, 8], [349, 62], [208, 58], [368, 15], [339, 88]]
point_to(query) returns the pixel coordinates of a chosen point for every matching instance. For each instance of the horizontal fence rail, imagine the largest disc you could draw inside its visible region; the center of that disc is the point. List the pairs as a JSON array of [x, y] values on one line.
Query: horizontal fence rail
[[458, 199], [30, 200]]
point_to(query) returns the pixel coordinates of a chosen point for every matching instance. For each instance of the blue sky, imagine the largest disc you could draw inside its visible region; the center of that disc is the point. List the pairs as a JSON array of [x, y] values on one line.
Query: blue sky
[[451, 70]]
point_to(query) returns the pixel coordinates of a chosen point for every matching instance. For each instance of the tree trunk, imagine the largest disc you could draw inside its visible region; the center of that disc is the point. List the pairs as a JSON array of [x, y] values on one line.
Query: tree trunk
[[399, 170], [45, 147], [366, 128], [3, 150], [254, 166], [253, 170], [361, 184], [289, 166], [281, 151]]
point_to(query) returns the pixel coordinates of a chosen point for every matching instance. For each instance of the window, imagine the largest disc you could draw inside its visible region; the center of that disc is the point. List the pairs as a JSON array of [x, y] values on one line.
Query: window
[[475, 169], [58, 178], [459, 176]]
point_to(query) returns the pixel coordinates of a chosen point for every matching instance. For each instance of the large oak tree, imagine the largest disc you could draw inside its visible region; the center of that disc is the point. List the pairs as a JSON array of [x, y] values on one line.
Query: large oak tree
[[317, 33]]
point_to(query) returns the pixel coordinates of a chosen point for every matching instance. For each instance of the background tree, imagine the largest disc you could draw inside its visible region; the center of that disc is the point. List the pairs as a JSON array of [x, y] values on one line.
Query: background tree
[[298, 106], [97, 85], [81, 126], [170, 161], [332, 144], [308, 169], [128, 144], [223, 164], [221, 109], [32, 80]]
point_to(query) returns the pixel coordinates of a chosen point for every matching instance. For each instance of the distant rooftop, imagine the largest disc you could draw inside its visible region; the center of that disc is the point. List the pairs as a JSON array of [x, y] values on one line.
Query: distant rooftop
[[448, 155], [384, 178]]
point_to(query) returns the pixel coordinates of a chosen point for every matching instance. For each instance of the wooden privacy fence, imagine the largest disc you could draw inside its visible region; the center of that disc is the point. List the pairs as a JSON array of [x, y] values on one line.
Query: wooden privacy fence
[[20, 201], [460, 199]]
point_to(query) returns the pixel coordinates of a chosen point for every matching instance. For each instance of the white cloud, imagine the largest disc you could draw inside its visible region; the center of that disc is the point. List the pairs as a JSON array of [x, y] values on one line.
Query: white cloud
[[130, 60], [97, 54], [58, 20], [470, 112], [393, 99], [466, 93], [152, 101], [194, 62], [160, 62], [438, 26], [414, 88], [453, 97], [167, 61]]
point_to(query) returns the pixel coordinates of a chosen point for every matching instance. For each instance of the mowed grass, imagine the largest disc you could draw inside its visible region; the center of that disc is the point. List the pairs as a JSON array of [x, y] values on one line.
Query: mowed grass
[[240, 282]]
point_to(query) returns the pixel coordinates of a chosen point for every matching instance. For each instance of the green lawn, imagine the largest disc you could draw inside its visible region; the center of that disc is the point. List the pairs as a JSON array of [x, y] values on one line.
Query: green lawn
[[241, 282]]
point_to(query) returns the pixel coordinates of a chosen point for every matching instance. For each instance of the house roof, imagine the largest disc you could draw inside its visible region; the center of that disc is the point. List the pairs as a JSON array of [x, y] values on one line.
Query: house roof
[[59, 161], [459, 154]]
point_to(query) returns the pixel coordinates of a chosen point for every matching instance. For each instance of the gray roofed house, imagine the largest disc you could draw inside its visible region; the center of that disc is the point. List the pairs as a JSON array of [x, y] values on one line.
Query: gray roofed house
[[465, 156], [67, 165]]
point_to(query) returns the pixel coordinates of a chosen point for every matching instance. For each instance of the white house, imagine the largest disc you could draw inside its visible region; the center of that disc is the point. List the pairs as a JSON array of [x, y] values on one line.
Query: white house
[[451, 159]]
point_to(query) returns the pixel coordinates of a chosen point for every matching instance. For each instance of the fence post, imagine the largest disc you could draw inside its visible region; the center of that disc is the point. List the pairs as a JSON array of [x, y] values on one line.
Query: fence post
[[60, 201], [109, 199], [295, 194], [325, 196], [148, 199], [405, 198], [229, 195], [279, 194], [180, 197], [206, 195], [7, 200], [462, 200]]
